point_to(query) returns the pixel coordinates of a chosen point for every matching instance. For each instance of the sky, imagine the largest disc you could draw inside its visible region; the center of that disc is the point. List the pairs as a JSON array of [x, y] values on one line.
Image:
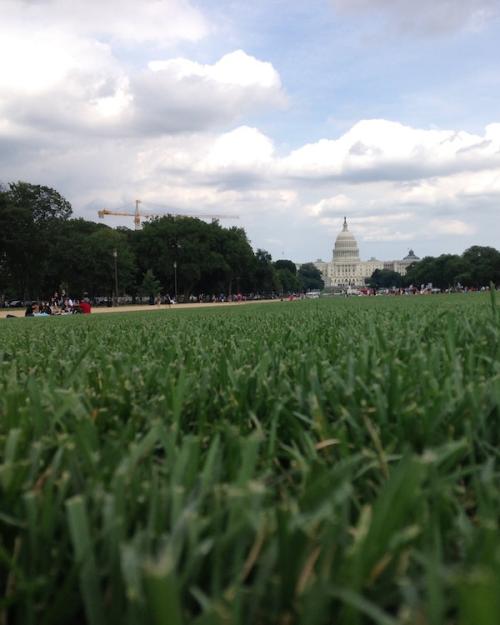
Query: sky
[[289, 115]]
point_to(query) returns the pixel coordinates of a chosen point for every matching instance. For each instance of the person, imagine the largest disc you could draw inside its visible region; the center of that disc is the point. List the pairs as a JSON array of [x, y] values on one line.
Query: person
[[38, 311], [29, 310], [85, 306]]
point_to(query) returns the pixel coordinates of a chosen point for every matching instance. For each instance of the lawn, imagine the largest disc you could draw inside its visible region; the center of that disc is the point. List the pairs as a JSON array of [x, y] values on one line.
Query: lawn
[[326, 461]]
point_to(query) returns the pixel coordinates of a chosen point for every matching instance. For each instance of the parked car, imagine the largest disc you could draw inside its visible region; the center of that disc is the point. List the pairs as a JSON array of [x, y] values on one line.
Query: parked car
[[313, 294]]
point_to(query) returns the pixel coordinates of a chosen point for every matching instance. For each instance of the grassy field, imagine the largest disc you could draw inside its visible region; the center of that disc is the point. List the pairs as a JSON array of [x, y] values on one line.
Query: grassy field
[[311, 462]]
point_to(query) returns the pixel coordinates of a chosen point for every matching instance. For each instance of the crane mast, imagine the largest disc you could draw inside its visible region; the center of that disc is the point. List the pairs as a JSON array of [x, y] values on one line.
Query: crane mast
[[137, 214]]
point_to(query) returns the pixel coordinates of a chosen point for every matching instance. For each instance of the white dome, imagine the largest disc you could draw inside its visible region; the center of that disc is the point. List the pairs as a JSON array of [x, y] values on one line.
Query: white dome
[[346, 247]]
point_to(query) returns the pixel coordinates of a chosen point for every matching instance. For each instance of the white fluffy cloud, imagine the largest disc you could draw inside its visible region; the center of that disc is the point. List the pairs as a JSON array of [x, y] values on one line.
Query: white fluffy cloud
[[241, 172], [379, 149], [55, 80], [163, 22], [175, 95], [65, 67], [75, 84], [235, 69]]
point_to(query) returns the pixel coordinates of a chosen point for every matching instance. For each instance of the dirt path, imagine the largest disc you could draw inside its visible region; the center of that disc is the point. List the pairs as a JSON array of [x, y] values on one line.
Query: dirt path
[[19, 312]]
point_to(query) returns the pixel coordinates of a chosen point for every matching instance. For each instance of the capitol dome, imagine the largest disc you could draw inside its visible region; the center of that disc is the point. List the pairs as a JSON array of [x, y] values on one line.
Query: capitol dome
[[346, 247]]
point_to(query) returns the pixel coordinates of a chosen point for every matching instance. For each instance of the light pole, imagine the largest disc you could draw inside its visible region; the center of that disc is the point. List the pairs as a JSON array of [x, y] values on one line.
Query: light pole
[[115, 256], [175, 280]]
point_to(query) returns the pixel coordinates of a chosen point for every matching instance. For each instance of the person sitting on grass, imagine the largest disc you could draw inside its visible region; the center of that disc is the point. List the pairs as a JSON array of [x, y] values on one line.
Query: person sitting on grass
[[38, 311], [85, 306]]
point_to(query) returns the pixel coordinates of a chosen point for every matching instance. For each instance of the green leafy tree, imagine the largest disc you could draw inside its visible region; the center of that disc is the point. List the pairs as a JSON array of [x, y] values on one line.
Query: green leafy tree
[[310, 277], [45, 204], [385, 279], [483, 265], [68, 265], [266, 278], [150, 286], [100, 262], [286, 271], [186, 242], [238, 258], [448, 270], [287, 265], [29, 216]]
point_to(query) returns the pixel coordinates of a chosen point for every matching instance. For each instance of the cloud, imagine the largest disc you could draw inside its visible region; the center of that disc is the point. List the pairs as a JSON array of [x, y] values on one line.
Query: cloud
[[335, 205], [66, 68], [379, 149], [451, 226], [381, 226], [163, 22], [236, 68], [176, 95], [241, 171], [426, 17], [55, 81], [440, 174], [76, 85]]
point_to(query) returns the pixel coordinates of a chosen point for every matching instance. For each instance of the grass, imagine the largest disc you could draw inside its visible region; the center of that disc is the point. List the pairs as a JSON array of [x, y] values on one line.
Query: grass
[[300, 463]]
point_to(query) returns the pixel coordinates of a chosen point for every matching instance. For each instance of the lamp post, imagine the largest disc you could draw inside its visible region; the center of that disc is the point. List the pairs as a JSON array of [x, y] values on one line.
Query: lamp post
[[115, 256], [175, 280], [175, 246]]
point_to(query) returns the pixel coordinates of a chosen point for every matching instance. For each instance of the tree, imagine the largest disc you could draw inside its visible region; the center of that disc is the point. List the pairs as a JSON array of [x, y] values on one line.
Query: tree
[[29, 215], [385, 279], [99, 262], [310, 277], [266, 279], [45, 204], [150, 286], [239, 258], [68, 261], [286, 271], [287, 265], [475, 267], [483, 264]]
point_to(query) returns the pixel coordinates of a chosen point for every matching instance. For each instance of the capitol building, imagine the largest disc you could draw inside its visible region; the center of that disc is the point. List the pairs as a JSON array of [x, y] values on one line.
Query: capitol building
[[347, 270]]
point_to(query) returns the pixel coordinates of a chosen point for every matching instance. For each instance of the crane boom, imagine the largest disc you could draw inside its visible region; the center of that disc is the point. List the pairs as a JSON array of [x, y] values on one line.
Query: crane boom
[[137, 215]]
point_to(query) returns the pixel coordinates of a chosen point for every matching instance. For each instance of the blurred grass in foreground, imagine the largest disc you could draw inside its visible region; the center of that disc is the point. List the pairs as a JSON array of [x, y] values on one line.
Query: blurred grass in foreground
[[311, 462]]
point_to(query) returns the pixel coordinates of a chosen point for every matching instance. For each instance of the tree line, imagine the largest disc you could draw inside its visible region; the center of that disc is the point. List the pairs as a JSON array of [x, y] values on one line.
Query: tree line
[[475, 268], [44, 249]]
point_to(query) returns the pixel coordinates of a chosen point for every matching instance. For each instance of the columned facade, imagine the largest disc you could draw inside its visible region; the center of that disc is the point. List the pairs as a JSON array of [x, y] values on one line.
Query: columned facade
[[346, 269]]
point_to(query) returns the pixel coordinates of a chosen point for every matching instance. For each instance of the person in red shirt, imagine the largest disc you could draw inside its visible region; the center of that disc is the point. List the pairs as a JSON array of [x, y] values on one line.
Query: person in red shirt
[[85, 306]]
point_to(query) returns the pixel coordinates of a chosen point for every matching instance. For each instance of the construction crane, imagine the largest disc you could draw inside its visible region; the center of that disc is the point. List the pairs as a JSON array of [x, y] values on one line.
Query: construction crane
[[137, 215]]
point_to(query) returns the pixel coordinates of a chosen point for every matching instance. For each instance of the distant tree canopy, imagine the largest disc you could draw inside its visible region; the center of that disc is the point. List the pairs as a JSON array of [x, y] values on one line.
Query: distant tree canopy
[[44, 249], [150, 286], [385, 279], [29, 215], [476, 267], [310, 277]]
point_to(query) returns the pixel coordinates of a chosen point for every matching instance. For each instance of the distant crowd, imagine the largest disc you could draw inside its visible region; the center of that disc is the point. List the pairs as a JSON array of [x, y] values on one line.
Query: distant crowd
[[59, 304]]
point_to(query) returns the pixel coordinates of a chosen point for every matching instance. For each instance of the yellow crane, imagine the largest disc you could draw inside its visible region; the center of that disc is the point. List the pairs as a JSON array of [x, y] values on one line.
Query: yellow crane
[[137, 215]]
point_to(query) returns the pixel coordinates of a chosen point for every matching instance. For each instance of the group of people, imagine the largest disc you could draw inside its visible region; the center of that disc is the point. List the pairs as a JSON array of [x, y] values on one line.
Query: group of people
[[59, 305]]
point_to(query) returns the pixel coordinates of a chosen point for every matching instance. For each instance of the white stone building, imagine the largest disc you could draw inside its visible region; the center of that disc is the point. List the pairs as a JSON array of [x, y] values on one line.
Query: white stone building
[[346, 269]]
